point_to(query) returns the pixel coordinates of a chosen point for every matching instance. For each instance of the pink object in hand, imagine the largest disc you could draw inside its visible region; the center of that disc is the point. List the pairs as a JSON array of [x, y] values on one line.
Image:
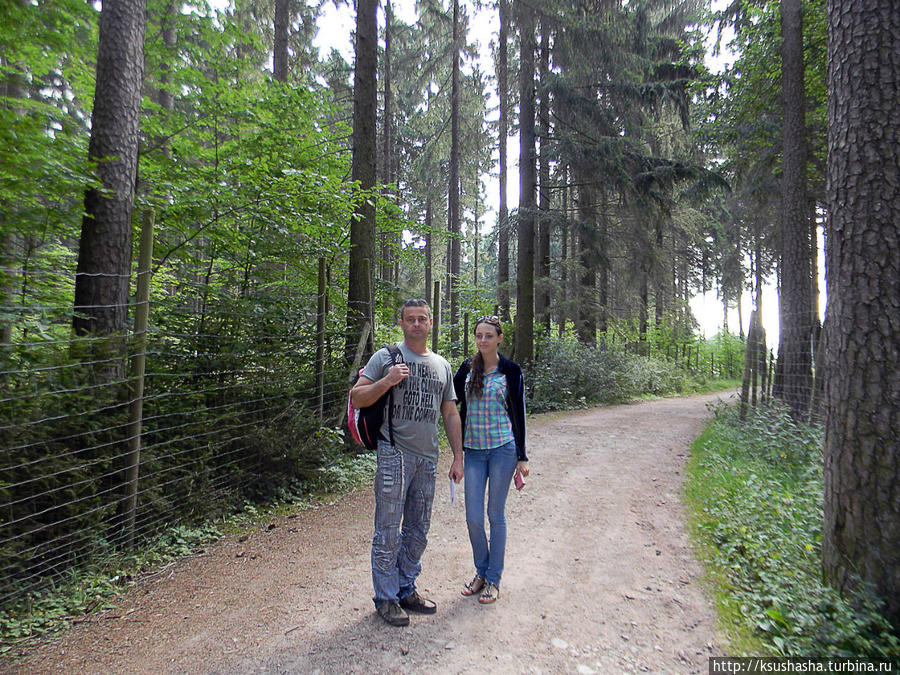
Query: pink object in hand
[[519, 481]]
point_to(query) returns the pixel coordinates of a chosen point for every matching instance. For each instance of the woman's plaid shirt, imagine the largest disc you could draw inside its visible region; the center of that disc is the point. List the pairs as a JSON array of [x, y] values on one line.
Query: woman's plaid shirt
[[487, 422]]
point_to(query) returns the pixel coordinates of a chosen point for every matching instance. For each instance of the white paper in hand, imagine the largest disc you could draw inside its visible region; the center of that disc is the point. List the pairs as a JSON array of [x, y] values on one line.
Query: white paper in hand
[[452, 492]]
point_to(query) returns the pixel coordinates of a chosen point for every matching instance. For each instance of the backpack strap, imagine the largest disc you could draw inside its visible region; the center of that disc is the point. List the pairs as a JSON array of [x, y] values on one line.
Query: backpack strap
[[396, 357]]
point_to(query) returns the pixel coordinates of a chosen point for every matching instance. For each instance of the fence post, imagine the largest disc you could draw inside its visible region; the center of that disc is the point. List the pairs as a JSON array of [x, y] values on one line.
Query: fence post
[[138, 368], [436, 315], [320, 339], [466, 335], [749, 352], [354, 367]]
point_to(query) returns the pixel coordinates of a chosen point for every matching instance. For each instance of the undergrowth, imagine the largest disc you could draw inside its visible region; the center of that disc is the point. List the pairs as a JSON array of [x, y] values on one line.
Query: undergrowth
[[756, 492], [566, 375], [95, 587]]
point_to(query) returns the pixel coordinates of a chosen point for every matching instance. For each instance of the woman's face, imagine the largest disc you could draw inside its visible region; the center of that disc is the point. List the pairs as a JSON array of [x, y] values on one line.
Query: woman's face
[[487, 338]]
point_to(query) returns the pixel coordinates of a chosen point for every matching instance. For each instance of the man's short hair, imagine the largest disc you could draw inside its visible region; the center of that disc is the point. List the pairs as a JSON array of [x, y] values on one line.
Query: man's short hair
[[416, 302]]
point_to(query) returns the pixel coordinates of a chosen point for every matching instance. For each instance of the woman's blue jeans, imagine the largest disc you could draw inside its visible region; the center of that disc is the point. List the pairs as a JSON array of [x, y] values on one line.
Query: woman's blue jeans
[[492, 469]]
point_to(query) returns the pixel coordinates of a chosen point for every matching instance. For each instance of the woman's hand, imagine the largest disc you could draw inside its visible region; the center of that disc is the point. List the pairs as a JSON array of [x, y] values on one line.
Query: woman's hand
[[522, 468]]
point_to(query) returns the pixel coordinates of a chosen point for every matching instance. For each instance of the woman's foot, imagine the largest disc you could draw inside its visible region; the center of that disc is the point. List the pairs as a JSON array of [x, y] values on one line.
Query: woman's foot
[[491, 593], [474, 586]]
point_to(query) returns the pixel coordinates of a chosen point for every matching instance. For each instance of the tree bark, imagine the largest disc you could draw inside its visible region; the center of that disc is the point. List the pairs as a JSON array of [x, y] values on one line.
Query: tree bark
[[585, 254], [360, 303], [796, 307], [503, 209], [281, 28], [453, 195], [861, 543], [564, 258], [429, 237], [542, 304], [527, 186], [387, 266], [104, 255]]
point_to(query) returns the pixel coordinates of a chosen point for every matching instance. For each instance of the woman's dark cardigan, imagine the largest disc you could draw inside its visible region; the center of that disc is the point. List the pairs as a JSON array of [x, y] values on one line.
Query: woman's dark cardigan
[[515, 399]]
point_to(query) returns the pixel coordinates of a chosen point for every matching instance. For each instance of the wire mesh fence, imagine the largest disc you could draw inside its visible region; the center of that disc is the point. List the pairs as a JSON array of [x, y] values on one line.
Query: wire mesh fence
[[239, 396], [232, 408]]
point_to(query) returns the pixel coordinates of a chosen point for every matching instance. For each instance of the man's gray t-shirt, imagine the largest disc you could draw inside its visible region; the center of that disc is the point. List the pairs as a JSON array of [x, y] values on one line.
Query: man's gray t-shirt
[[417, 400]]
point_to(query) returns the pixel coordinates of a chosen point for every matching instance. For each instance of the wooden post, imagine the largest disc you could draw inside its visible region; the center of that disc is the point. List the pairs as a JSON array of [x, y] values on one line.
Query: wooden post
[[436, 313], [466, 335], [138, 368], [753, 353], [354, 367], [749, 354], [320, 339], [761, 362]]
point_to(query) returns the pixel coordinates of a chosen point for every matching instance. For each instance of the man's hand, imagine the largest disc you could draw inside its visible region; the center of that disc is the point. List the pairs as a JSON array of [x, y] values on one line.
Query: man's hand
[[397, 374], [453, 427], [456, 469], [366, 392]]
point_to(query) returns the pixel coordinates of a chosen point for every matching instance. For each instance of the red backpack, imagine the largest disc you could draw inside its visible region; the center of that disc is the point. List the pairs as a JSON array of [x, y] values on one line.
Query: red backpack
[[365, 423]]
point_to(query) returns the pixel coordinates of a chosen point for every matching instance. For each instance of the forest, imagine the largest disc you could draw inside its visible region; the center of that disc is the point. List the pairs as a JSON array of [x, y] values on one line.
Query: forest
[[207, 223]]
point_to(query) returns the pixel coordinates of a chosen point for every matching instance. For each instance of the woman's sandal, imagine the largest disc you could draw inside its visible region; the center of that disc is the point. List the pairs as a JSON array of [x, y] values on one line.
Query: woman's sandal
[[491, 593], [474, 586]]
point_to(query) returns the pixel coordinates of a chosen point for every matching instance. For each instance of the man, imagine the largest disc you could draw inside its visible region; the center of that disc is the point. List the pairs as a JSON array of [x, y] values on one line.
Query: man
[[406, 471]]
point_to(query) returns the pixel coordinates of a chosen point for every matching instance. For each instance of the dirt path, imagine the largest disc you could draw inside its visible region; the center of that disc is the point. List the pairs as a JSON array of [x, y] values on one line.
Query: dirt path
[[599, 577]]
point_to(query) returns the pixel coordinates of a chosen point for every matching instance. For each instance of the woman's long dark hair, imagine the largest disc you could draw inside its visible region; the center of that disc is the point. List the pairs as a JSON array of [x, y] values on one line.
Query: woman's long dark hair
[[475, 385]]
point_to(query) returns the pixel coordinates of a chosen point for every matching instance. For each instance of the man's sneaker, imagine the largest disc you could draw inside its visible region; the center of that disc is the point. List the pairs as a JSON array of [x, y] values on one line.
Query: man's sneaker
[[490, 594], [392, 613], [416, 603]]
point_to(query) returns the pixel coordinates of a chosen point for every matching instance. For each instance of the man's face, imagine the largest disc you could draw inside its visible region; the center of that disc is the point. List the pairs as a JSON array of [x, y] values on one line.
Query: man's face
[[416, 322]]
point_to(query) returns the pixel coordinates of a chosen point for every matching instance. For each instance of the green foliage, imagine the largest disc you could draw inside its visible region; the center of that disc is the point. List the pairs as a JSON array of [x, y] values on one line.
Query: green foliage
[[756, 495], [93, 587], [567, 374]]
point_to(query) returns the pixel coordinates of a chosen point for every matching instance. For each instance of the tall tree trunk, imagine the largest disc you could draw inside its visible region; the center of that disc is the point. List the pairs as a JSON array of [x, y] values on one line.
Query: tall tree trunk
[[503, 210], [585, 254], [564, 258], [475, 240], [429, 247], [796, 315], [170, 38], [527, 181], [861, 541], [360, 303], [104, 254], [453, 197], [387, 164], [603, 263], [659, 294], [644, 309], [542, 304], [280, 52], [11, 89]]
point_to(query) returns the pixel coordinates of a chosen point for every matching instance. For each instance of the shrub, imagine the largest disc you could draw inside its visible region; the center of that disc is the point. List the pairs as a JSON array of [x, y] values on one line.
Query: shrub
[[756, 495], [569, 375]]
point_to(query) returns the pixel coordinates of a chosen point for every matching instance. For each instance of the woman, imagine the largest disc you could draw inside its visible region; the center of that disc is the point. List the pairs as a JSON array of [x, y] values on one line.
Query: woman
[[491, 395]]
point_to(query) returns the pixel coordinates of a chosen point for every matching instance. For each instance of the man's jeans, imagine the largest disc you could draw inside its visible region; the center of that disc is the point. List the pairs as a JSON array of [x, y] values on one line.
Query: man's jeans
[[404, 491], [494, 468]]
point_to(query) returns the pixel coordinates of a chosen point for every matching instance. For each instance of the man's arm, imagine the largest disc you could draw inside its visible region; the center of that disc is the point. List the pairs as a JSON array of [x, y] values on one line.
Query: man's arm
[[454, 435], [365, 392]]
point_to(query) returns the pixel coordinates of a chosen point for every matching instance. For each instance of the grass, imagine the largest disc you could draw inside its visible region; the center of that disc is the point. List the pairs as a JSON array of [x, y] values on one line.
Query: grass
[[755, 493]]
